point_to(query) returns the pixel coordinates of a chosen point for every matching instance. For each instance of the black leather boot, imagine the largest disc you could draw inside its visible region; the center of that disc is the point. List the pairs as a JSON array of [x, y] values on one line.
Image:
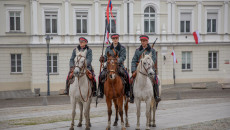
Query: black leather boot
[[66, 91], [101, 88], [94, 88], [131, 95], [156, 93]]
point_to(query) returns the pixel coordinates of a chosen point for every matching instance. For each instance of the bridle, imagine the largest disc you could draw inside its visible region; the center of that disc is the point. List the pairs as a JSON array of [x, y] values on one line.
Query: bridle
[[82, 73], [146, 69], [108, 62]]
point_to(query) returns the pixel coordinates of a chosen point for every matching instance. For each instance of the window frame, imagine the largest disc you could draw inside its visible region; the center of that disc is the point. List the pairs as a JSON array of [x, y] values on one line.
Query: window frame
[[82, 18], [217, 10], [217, 60], [149, 20], [190, 26], [52, 62], [186, 62], [16, 65], [110, 21], [51, 13], [211, 28], [15, 9]]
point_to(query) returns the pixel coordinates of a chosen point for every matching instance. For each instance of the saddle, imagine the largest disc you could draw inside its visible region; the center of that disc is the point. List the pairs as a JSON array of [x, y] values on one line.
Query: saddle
[[71, 76]]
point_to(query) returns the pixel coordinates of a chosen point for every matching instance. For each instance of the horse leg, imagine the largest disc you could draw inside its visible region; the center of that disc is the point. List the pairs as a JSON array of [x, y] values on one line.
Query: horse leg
[[86, 114], [116, 108], [120, 107], [154, 112], [81, 111], [89, 113], [126, 115], [73, 102], [109, 105], [150, 113], [148, 103], [138, 102]]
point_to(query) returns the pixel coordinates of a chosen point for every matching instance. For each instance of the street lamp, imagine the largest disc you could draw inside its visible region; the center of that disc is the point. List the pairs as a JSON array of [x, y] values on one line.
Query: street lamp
[[48, 72]]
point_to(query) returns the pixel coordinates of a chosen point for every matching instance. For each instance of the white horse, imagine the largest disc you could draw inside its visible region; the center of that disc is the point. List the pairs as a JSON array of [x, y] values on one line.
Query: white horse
[[80, 91], [143, 90]]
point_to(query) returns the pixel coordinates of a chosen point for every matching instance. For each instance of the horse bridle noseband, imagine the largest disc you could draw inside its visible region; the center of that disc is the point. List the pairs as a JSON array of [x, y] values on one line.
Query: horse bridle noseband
[[146, 70], [81, 68], [112, 64]]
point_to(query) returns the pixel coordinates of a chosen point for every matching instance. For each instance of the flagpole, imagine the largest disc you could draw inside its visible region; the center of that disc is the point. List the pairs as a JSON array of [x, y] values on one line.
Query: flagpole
[[173, 67]]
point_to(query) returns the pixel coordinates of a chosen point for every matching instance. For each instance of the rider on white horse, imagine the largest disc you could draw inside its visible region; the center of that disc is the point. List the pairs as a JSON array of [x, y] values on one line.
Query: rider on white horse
[[83, 41], [146, 49]]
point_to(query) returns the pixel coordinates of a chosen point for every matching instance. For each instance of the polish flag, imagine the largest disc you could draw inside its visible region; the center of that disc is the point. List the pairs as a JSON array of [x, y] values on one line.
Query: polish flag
[[107, 37], [174, 57], [196, 36]]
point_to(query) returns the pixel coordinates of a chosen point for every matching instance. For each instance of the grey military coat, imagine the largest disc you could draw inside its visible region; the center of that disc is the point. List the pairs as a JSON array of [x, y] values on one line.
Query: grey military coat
[[88, 56], [119, 49], [138, 53]]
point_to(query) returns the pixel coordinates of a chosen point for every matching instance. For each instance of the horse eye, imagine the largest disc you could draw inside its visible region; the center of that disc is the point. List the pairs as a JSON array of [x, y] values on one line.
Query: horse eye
[[144, 63]]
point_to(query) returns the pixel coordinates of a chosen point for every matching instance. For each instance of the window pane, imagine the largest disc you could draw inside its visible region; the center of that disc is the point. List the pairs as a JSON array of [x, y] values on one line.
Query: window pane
[[151, 10], [214, 55], [188, 57], [152, 26], [11, 14], [84, 26], [209, 25], [209, 65], [113, 26], [214, 25], [47, 25], [78, 26], [146, 25], [54, 26], [17, 14], [183, 57], [55, 57], [18, 56], [13, 69], [152, 15], [19, 69], [146, 15], [17, 23], [214, 65], [146, 10], [54, 63], [181, 26], [50, 69], [183, 66], [18, 62], [187, 26], [11, 23], [54, 69], [209, 54], [188, 66]]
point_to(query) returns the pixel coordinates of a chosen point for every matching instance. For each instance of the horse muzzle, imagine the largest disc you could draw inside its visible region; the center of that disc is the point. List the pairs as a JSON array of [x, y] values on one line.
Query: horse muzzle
[[112, 76]]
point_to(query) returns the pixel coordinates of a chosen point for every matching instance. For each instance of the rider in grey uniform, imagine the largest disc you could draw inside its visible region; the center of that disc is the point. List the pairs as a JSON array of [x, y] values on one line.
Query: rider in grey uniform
[[83, 45], [121, 52], [144, 48]]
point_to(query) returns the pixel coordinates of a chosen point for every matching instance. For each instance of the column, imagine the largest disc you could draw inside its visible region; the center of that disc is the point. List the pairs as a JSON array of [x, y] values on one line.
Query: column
[[96, 11], [34, 24], [67, 37], [173, 17], [125, 16], [131, 34], [226, 17], [169, 17], [199, 16]]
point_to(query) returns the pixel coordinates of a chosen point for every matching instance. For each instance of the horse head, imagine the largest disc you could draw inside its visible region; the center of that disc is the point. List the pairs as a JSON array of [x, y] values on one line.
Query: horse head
[[146, 65], [112, 65], [80, 63]]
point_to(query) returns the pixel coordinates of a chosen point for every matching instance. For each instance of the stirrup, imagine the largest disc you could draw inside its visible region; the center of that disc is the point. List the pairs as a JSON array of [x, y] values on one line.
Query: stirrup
[[158, 99], [101, 95]]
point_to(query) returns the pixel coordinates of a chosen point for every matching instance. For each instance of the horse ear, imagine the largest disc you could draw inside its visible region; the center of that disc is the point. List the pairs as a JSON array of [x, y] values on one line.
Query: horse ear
[[143, 55], [108, 55]]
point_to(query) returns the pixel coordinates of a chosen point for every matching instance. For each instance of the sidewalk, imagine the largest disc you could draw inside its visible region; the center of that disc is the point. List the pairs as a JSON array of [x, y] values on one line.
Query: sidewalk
[[172, 113]]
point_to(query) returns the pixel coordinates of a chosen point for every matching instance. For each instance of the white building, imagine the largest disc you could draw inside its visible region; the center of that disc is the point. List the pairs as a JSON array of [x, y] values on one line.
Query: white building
[[25, 23]]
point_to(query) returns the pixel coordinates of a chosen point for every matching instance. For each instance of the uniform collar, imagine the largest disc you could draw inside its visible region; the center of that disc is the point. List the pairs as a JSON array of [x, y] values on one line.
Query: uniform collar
[[118, 47], [148, 48], [79, 48]]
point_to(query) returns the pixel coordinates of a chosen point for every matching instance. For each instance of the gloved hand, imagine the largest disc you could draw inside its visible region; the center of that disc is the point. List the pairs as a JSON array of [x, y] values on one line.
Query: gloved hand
[[71, 69], [101, 59]]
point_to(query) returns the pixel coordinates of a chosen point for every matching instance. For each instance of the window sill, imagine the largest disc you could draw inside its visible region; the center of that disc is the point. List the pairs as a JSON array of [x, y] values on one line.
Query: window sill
[[53, 74], [52, 34], [16, 73], [84, 34], [212, 33], [213, 69], [185, 70], [153, 33], [186, 33], [15, 32]]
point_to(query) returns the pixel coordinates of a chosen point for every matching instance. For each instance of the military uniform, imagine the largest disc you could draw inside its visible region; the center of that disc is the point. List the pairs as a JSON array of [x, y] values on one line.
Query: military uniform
[[89, 66], [121, 53], [135, 62]]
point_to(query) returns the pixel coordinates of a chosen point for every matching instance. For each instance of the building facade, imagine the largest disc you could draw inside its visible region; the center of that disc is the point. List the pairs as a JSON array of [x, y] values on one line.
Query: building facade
[[25, 24]]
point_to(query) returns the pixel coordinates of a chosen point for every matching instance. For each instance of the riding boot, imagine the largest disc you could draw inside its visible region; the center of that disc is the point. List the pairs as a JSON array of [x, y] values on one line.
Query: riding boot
[[101, 88], [127, 88], [66, 91], [131, 94], [94, 88], [156, 93]]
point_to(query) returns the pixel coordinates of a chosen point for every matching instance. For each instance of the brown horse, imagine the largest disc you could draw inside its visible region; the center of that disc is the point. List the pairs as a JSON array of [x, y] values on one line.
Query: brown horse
[[114, 90]]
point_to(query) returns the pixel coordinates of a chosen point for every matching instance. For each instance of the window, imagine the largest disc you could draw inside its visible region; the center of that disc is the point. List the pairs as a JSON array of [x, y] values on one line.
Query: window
[[186, 60], [185, 22], [51, 22], [15, 18], [149, 20], [16, 63], [213, 60], [53, 63], [112, 23], [211, 22], [81, 22]]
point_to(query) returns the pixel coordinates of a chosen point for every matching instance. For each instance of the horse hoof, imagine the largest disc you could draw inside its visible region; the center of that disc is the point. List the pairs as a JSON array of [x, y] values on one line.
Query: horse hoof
[[79, 125], [138, 129], [123, 128], [115, 124], [87, 128], [127, 125], [90, 125], [71, 128], [107, 128], [153, 125], [147, 128]]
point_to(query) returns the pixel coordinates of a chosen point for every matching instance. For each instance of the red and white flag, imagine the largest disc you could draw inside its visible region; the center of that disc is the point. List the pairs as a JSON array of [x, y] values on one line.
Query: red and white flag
[[196, 36], [107, 37], [174, 57]]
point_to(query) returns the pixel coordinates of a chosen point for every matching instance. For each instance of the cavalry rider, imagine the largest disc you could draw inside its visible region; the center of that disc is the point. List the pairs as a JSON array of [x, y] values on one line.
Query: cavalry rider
[[146, 49], [120, 50], [83, 45]]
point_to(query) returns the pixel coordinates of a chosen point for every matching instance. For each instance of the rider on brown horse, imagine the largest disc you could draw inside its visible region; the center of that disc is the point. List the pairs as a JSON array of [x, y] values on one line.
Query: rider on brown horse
[[144, 48], [90, 72], [115, 48]]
